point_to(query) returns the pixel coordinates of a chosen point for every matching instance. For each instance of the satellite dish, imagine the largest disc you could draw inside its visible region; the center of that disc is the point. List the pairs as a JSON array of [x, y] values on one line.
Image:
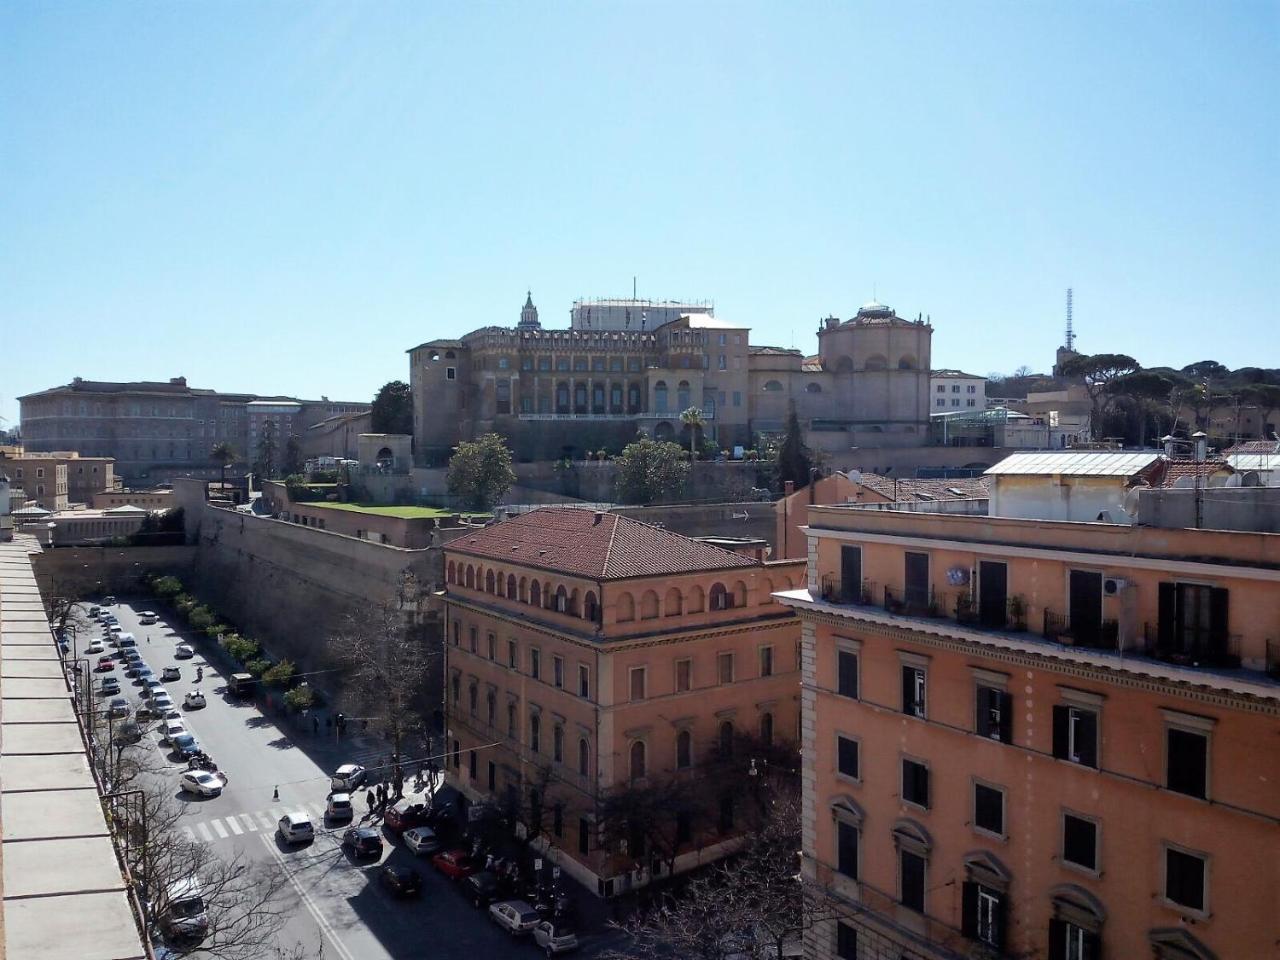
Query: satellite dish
[[1251, 478], [1131, 502], [1233, 481], [1184, 483]]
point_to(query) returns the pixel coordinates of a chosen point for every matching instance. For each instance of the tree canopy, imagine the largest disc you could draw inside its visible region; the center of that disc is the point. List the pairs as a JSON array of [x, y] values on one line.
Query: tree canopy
[[480, 472], [392, 409], [793, 459], [649, 471]]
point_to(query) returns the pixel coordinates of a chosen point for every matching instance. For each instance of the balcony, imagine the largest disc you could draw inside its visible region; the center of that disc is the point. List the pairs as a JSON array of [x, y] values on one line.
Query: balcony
[[1196, 650], [837, 590], [1106, 636]]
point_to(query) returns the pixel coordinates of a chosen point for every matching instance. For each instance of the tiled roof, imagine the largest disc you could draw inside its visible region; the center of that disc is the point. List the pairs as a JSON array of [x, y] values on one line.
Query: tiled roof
[[766, 351], [587, 543], [1254, 446], [1169, 472], [911, 490]]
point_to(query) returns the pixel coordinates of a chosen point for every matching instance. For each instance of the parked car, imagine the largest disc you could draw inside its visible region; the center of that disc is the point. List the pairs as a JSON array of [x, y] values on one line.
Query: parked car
[[170, 673], [148, 617], [401, 881], [403, 815], [182, 912], [150, 687], [105, 665], [142, 671], [241, 684], [514, 916], [131, 655], [362, 842], [118, 708], [421, 840], [554, 938], [481, 888], [194, 700], [339, 807], [130, 731], [200, 782], [145, 711], [95, 646], [183, 652], [117, 631], [186, 746], [348, 777], [455, 864], [126, 640], [109, 601], [94, 610], [296, 828], [162, 703], [110, 687], [171, 729]]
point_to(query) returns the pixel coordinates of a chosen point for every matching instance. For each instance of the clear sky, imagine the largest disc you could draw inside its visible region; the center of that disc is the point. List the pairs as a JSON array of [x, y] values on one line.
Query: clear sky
[[285, 196]]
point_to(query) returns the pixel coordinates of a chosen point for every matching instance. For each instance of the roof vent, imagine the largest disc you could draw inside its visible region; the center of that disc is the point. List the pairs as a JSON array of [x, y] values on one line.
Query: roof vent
[[599, 517]]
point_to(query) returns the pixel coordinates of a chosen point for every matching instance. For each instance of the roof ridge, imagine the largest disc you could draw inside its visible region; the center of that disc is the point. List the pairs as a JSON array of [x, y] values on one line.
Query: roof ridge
[[613, 536]]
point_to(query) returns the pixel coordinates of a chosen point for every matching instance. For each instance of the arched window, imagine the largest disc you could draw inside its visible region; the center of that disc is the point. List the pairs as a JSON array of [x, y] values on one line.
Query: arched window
[[449, 355], [535, 594], [876, 362], [580, 398], [1075, 906], [488, 582], [562, 600], [626, 608], [725, 739], [766, 589], [584, 757], [548, 598], [766, 729], [471, 576], [511, 586], [772, 386], [721, 599], [906, 362], [524, 590], [660, 397], [562, 397], [491, 707], [535, 731], [637, 760], [457, 687], [813, 388], [472, 698], [452, 574], [672, 605], [649, 605], [633, 399], [844, 365], [739, 594], [682, 396], [557, 743], [696, 601], [591, 607], [684, 750]]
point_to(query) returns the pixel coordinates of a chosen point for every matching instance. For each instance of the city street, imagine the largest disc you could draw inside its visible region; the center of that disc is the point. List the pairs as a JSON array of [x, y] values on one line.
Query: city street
[[329, 899]]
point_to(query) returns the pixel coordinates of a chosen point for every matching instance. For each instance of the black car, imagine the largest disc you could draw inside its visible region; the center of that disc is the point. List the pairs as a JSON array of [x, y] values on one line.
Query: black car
[[362, 842], [482, 888], [401, 881]]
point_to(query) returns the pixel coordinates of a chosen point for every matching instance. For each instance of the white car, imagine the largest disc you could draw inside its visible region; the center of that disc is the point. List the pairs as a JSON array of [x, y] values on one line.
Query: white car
[[162, 703], [296, 828], [554, 939], [115, 630], [194, 700], [200, 782], [170, 673], [514, 916], [183, 652], [421, 840], [348, 777], [339, 807], [95, 646], [172, 728], [147, 617]]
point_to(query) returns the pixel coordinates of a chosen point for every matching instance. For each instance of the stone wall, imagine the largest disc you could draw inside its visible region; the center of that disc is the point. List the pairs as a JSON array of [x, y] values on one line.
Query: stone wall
[[594, 481], [91, 572]]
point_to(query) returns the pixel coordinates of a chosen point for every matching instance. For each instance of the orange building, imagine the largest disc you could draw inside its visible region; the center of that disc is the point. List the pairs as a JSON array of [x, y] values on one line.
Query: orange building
[[1035, 738], [589, 653]]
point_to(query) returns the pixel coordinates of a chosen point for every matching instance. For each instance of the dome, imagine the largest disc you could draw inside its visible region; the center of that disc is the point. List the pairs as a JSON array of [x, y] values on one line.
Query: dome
[[876, 309]]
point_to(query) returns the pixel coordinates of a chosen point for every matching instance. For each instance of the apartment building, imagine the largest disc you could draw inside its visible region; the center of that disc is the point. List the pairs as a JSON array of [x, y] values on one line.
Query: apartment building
[[590, 655], [1028, 737], [44, 480]]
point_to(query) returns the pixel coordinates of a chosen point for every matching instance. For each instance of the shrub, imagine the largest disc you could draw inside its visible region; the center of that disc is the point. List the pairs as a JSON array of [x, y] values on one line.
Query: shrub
[[242, 648], [167, 586], [299, 698], [212, 631], [258, 667], [280, 674], [200, 617]]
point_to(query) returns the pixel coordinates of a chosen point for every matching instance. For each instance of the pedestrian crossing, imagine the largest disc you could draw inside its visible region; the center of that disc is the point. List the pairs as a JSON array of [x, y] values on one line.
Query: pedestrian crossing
[[258, 821]]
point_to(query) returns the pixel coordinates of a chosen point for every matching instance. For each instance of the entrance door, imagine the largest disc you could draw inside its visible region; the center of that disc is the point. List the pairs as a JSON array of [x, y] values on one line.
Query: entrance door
[[993, 594], [917, 580], [851, 574], [1086, 606]]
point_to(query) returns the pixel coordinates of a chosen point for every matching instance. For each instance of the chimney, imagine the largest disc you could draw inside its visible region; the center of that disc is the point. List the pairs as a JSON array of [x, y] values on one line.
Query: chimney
[[1168, 445], [831, 322], [1202, 445], [788, 488], [598, 518]]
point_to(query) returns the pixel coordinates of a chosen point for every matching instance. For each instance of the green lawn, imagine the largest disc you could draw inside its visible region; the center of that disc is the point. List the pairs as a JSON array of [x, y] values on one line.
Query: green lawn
[[404, 513]]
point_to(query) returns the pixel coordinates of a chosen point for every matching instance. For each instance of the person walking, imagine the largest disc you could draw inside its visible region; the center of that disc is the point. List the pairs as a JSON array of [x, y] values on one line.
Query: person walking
[[315, 725], [368, 798]]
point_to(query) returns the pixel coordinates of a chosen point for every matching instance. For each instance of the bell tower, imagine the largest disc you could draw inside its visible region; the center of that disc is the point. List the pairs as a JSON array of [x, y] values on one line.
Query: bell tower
[[529, 314]]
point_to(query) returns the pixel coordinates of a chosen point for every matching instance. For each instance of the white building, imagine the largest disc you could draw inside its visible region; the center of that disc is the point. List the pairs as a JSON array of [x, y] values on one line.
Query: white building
[[951, 390]]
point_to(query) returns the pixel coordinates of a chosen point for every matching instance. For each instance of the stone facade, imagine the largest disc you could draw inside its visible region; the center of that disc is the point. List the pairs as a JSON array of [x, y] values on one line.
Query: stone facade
[[552, 392], [42, 479]]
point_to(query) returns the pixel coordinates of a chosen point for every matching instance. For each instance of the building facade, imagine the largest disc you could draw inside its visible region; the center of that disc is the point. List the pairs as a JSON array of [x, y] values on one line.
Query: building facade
[[42, 479], [956, 390], [593, 660], [555, 391], [1039, 738], [154, 430]]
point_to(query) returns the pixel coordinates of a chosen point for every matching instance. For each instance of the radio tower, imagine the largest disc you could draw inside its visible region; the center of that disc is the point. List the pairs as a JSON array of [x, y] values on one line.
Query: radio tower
[[1071, 336]]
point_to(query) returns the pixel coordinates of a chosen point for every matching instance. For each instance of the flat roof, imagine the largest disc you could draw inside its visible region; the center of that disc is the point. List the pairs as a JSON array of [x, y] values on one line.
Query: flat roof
[[1075, 463]]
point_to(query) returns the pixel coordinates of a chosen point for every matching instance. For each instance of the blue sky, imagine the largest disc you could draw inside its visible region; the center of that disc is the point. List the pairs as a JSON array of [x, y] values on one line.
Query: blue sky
[[283, 197]]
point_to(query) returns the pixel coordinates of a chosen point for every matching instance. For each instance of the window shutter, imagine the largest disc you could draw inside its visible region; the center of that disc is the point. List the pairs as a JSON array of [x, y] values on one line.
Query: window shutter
[[1092, 947], [1218, 618], [1061, 725], [969, 910], [1057, 939], [1168, 614], [1005, 700], [922, 784], [908, 688], [1087, 737], [982, 723]]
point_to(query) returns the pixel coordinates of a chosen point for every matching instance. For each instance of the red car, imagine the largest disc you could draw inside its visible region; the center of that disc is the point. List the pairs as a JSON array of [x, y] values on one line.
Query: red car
[[404, 816], [455, 864], [105, 665]]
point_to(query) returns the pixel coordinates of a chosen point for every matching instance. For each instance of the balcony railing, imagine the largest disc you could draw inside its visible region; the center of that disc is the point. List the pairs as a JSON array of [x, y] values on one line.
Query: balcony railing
[[1106, 636], [1197, 651], [838, 590], [913, 603]]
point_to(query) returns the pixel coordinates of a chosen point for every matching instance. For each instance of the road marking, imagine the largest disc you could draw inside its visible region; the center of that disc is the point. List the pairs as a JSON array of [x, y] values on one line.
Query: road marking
[[249, 823], [204, 832], [312, 907], [266, 821], [190, 834], [217, 825], [235, 826]]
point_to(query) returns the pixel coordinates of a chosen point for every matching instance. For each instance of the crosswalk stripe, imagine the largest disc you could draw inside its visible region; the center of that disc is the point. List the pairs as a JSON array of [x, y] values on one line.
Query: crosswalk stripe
[[234, 824], [248, 822], [266, 821], [222, 831], [205, 833], [189, 833]]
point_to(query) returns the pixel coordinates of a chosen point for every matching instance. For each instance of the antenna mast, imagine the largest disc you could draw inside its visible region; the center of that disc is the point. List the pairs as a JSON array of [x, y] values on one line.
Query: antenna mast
[[1071, 336]]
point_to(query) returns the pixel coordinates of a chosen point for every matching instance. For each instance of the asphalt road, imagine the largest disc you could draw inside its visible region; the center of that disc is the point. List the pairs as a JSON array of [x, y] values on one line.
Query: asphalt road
[[329, 899]]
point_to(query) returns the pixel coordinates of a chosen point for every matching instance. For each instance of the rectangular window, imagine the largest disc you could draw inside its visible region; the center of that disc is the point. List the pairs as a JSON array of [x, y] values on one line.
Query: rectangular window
[[942, 388], [988, 809], [847, 757], [684, 676], [526, 404], [766, 661], [1184, 878], [971, 388], [557, 671], [450, 373], [637, 678], [915, 783], [457, 632], [846, 942], [471, 638], [847, 673], [493, 776], [1075, 735], [584, 681], [737, 398], [472, 761], [940, 402], [721, 362], [994, 717], [492, 646], [513, 660], [955, 388], [1187, 762], [911, 880], [971, 403], [983, 914], [1080, 841], [913, 691], [584, 836], [535, 663], [847, 849], [557, 820], [544, 364], [724, 667]]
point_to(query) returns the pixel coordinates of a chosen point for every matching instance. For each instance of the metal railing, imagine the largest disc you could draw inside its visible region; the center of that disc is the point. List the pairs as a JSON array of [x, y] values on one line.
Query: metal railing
[[838, 590], [1199, 650]]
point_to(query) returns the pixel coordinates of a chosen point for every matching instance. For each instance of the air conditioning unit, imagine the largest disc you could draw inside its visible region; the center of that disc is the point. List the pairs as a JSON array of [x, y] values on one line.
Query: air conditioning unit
[[1111, 586]]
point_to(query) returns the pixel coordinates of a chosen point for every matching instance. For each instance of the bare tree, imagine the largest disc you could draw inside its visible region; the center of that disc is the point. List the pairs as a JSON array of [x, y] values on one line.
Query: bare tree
[[654, 819]]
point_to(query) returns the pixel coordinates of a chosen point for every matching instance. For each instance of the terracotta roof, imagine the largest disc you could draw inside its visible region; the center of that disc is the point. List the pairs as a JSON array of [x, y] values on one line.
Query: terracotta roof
[[1253, 446], [587, 543], [1169, 472], [912, 490]]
